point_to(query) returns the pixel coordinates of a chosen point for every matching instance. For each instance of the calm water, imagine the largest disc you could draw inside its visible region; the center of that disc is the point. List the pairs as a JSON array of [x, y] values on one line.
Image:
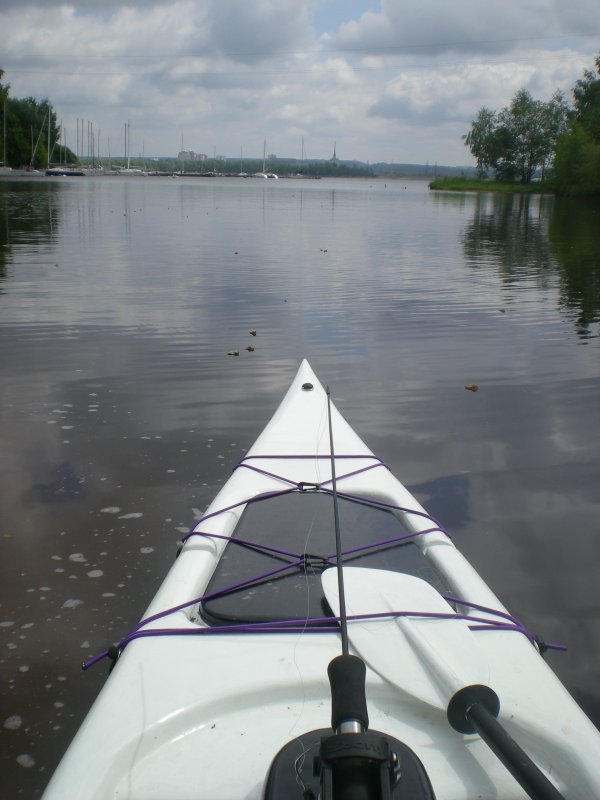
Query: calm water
[[121, 412]]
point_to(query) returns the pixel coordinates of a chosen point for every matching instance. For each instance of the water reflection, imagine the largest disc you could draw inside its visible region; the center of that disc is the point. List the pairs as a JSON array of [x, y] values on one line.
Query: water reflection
[[528, 238], [508, 232], [29, 214], [446, 498], [66, 485], [122, 414], [574, 233]]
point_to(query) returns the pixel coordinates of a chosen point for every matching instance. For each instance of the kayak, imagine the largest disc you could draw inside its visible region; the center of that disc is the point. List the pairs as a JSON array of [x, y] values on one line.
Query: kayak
[[320, 635]]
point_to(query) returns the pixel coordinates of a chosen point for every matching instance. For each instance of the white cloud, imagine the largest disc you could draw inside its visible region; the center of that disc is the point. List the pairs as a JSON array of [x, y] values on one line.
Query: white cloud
[[438, 95], [437, 26], [233, 72]]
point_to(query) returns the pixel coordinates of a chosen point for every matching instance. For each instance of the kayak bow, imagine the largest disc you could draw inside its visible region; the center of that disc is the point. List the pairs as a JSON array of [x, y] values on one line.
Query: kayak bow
[[221, 690]]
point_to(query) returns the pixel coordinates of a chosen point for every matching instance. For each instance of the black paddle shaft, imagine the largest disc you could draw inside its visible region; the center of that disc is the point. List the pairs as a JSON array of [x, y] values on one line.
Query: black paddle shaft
[[474, 709], [514, 758]]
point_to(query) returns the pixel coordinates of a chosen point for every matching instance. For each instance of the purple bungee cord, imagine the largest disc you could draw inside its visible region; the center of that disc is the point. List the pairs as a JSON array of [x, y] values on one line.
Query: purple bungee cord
[[505, 621]]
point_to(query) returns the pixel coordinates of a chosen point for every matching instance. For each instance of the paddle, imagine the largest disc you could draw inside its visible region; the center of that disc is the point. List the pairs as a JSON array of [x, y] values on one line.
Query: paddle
[[437, 660]]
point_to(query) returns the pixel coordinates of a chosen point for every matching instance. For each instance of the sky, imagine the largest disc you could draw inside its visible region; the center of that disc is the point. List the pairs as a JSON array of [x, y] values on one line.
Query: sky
[[381, 80]]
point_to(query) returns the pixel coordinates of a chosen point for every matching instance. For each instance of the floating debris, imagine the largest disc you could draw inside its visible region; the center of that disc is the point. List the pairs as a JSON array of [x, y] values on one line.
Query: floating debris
[[72, 603], [472, 387], [233, 353], [250, 349], [252, 333]]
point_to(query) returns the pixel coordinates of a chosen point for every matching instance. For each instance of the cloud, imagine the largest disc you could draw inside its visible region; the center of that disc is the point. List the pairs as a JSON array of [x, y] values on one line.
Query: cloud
[[235, 72], [430, 96], [81, 6], [436, 27], [252, 32]]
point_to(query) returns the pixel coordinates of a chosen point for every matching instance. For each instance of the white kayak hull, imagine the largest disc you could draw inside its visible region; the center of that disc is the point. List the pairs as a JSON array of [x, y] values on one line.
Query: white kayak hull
[[192, 716]]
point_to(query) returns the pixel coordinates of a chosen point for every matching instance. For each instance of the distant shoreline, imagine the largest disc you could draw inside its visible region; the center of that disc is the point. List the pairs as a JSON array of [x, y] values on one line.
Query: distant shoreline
[[462, 184]]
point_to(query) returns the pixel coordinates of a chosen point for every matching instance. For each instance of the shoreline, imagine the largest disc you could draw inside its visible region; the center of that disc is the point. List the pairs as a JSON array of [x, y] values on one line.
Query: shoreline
[[473, 185]]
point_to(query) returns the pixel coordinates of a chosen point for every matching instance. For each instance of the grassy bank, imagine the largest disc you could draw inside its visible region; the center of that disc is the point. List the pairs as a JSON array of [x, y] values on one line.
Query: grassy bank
[[463, 184]]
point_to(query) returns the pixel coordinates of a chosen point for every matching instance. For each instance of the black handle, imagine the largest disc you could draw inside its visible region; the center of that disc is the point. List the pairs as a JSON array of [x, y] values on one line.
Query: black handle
[[348, 700], [474, 709]]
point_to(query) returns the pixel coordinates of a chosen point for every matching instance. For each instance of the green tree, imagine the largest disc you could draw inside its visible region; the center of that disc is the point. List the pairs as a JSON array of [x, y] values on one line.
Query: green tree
[[3, 104], [586, 96], [485, 140], [31, 130], [532, 129], [577, 164], [520, 139]]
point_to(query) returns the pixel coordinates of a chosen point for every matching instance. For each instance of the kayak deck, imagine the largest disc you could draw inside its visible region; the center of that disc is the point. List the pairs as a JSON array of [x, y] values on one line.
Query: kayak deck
[[213, 682]]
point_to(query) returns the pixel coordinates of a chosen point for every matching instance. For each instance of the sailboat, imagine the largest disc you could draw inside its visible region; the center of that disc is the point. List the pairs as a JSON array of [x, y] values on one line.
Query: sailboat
[[265, 174], [129, 170]]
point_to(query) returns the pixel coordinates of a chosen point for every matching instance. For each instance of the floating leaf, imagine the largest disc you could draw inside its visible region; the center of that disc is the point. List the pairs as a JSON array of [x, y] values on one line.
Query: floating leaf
[[472, 387]]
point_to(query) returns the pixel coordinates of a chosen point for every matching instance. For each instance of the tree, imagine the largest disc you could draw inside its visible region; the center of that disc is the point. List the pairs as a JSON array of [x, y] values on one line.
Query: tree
[[586, 96], [520, 139], [3, 89], [27, 136], [576, 167], [3, 103], [555, 123], [577, 164], [533, 128], [483, 140]]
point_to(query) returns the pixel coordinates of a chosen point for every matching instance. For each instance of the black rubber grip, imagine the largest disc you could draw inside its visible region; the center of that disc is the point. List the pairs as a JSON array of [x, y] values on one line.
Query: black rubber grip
[[348, 700]]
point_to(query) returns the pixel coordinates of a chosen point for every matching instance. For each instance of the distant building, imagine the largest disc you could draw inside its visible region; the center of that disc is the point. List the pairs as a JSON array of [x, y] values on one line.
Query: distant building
[[189, 155], [334, 158]]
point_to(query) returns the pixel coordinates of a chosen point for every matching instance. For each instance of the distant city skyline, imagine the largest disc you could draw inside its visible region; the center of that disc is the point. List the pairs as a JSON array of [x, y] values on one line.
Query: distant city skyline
[[386, 80]]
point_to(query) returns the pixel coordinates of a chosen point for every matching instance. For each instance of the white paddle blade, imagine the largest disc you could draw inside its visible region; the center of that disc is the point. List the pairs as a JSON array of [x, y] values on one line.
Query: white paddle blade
[[427, 658]]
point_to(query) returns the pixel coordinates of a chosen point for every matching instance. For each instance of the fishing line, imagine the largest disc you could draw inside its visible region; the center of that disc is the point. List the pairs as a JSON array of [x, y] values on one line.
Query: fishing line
[[338, 537]]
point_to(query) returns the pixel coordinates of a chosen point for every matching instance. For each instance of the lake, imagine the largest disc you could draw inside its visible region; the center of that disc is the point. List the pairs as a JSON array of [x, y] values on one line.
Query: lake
[[122, 413]]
